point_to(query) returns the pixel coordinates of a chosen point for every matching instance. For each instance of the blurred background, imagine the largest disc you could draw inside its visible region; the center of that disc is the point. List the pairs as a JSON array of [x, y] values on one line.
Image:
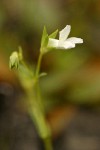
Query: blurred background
[[71, 90]]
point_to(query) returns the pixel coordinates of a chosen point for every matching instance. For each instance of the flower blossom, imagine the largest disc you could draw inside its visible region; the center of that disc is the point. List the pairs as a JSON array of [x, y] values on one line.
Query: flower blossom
[[64, 42]]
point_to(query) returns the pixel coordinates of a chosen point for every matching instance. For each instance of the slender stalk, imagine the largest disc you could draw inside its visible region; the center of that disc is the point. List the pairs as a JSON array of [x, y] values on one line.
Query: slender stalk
[[35, 104], [47, 143], [38, 65], [40, 116]]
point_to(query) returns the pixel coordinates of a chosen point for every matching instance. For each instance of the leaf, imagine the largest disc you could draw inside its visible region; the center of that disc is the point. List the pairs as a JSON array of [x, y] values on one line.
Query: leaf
[[45, 38], [54, 34], [42, 74]]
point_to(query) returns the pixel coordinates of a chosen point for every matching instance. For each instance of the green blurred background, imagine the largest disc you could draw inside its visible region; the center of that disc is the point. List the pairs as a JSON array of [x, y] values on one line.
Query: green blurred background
[[74, 75]]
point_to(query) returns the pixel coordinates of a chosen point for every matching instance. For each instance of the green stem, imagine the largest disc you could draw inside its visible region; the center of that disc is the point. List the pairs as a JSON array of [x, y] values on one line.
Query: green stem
[[35, 104], [38, 65], [38, 118], [47, 144], [38, 113]]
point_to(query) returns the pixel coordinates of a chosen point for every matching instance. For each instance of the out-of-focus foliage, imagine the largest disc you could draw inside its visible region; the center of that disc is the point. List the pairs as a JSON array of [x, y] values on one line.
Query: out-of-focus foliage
[[73, 75]]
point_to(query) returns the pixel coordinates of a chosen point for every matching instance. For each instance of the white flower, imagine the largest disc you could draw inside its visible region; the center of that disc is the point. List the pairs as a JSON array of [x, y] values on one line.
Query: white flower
[[64, 42]]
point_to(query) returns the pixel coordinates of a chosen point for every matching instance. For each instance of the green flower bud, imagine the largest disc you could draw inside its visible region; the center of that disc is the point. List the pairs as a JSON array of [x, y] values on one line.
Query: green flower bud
[[14, 60]]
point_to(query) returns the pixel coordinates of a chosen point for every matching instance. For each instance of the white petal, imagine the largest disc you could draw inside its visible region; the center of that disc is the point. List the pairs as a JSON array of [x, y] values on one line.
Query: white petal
[[65, 45], [53, 43], [63, 34], [75, 40], [68, 45]]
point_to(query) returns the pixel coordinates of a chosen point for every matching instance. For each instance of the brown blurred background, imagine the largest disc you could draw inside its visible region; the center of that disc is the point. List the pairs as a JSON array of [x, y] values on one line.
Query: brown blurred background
[[71, 90]]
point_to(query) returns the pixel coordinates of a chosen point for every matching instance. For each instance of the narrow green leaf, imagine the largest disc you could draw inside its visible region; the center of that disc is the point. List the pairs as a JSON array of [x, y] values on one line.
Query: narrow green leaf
[[54, 34], [43, 74], [44, 40]]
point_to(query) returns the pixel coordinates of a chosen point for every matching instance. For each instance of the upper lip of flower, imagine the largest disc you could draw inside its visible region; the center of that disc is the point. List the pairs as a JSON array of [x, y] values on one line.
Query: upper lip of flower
[[64, 42]]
